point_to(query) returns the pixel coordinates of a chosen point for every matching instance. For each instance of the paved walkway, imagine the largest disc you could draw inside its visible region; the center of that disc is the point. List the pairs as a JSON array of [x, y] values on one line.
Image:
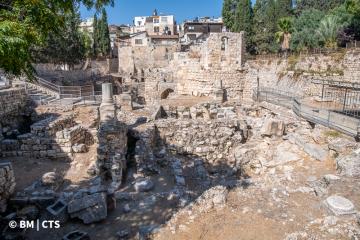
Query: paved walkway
[[311, 112]]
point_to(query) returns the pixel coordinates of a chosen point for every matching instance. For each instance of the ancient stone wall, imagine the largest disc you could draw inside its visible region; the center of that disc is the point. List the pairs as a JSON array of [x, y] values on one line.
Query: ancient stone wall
[[7, 184], [112, 149], [351, 64], [53, 138], [295, 73], [199, 71], [219, 63], [213, 141], [137, 59], [12, 104], [204, 111]]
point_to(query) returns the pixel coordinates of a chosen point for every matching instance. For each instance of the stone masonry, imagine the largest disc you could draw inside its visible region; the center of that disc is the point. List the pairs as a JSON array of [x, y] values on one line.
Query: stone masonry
[[7, 184], [12, 104], [51, 137], [211, 140]]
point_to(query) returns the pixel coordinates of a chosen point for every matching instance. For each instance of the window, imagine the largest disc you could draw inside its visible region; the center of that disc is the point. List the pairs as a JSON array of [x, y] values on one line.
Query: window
[[224, 43], [139, 23], [191, 28], [156, 29], [138, 41], [156, 20], [164, 19]]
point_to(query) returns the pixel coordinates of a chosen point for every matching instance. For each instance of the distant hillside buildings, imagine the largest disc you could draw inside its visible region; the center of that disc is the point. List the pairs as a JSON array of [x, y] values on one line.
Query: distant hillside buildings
[[159, 29]]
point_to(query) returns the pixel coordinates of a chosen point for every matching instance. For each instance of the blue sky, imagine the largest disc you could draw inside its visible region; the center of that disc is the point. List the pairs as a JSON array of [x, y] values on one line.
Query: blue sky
[[125, 10]]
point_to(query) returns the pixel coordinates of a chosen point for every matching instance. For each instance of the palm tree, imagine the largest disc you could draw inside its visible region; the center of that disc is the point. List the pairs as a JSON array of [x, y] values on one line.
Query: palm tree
[[328, 31], [283, 36]]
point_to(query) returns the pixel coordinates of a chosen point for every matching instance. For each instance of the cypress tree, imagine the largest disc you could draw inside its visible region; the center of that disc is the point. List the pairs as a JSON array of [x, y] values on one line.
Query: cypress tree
[[104, 38], [228, 13], [271, 20], [284, 8], [265, 26], [95, 37], [243, 20], [259, 25]]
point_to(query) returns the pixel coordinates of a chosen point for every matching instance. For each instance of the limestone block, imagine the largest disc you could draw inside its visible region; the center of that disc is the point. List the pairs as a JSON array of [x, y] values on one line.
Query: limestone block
[[340, 205], [349, 165], [273, 127], [89, 208]]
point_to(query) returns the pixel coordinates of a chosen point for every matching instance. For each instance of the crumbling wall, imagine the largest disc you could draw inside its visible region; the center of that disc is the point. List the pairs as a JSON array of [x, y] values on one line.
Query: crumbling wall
[[12, 104], [135, 59], [295, 73], [204, 111], [7, 184], [50, 137], [213, 141], [112, 149], [198, 72]]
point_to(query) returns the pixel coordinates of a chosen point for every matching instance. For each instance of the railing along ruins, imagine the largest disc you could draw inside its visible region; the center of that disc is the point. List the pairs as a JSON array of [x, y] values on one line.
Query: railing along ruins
[[332, 117], [69, 95]]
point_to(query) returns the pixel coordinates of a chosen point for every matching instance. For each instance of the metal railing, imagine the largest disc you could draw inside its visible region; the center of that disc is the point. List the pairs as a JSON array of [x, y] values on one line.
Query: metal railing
[[328, 117], [63, 94]]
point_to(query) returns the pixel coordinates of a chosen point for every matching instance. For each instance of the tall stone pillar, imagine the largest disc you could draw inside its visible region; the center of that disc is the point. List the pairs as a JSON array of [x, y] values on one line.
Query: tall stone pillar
[[219, 92], [107, 107]]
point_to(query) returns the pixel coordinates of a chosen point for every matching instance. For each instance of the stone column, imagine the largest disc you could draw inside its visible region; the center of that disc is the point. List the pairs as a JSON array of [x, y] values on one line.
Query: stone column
[[107, 107], [107, 93], [219, 92]]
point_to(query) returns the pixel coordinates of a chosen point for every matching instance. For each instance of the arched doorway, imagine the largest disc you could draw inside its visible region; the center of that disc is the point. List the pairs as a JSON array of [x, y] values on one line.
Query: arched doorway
[[165, 94]]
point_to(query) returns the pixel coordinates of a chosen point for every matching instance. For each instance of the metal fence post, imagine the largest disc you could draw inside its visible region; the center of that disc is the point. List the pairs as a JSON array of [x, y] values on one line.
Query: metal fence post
[[345, 99]]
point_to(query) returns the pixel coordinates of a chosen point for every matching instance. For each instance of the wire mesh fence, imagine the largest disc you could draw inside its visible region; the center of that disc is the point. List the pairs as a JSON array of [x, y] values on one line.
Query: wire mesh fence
[[333, 118]]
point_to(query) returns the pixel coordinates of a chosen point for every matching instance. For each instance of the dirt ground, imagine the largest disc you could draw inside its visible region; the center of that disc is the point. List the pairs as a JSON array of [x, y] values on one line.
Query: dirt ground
[[269, 209]]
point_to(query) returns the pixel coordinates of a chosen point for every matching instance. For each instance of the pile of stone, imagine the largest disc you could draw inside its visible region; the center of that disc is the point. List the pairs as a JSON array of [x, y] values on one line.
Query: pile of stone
[[201, 111], [50, 126], [212, 141], [68, 138]]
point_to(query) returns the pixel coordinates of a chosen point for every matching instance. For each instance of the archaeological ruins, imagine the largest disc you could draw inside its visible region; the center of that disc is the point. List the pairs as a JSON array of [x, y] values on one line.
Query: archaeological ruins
[[184, 141]]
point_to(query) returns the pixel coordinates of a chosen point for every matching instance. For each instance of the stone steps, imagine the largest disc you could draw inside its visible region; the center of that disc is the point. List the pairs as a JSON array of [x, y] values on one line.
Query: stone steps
[[40, 97]]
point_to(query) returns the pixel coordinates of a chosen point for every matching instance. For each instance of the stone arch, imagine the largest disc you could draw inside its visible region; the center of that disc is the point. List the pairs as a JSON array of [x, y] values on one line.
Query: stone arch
[[165, 93]]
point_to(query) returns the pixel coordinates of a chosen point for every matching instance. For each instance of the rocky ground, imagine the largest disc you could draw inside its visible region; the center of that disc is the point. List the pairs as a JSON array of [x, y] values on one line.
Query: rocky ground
[[254, 172]]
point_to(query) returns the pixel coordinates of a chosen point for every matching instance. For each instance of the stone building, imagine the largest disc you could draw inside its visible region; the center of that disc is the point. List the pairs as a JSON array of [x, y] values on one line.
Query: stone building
[[155, 24], [202, 71]]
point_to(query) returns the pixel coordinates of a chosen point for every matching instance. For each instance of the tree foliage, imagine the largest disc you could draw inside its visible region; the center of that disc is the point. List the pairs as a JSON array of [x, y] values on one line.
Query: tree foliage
[[243, 20], [101, 36], [323, 5], [228, 13], [328, 31], [305, 27], [25, 24], [66, 47], [284, 8], [283, 36], [104, 38], [315, 23]]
